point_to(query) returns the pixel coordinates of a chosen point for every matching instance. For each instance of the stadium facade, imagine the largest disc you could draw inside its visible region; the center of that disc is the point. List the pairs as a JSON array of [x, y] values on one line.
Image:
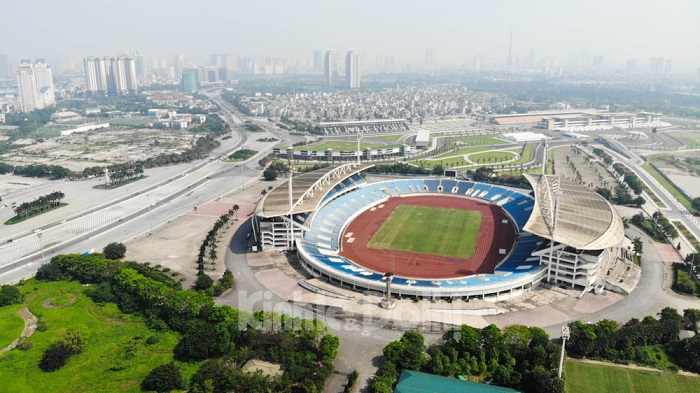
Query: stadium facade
[[564, 233]]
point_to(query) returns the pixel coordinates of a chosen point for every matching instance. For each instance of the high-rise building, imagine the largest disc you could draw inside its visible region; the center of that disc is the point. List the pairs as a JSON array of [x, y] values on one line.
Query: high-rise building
[[141, 66], [44, 83], [190, 82], [329, 68], [110, 76], [429, 59], [352, 70], [656, 65], [35, 82], [318, 61], [630, 67], [667, 67]]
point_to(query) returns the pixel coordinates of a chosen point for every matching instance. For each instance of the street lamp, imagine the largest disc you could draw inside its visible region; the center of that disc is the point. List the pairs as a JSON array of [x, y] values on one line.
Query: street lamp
[[150, 216], [41, 243]]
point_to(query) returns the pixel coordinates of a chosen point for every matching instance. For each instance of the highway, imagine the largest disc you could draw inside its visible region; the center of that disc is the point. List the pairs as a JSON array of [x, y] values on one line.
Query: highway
[[133, 211]]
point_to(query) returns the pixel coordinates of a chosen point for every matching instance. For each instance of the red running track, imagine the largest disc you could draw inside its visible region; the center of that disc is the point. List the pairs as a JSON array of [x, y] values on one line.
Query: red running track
[[493, 235]]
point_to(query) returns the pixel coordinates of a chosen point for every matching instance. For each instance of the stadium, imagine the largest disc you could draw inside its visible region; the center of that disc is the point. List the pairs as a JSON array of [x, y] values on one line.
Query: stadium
[[440, 237]]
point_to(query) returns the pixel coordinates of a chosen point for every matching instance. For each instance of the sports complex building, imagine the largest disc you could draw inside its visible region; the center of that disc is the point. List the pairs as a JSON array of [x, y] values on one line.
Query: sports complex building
[[440, 237]]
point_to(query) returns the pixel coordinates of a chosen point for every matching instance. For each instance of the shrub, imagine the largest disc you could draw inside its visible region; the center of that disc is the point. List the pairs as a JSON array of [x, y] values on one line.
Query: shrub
[[164, 378], [41, 325], [152, 340], [114, 250], [54, 358], [24, 344], [72, 340], [10, 294]]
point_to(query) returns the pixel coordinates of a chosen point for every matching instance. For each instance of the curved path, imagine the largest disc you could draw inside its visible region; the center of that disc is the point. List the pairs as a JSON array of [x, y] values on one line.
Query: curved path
[[29, 328]]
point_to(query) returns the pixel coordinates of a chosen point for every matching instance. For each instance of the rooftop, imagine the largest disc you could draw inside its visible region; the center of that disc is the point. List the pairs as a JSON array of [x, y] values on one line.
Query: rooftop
[[585, 220], [417, 382], [308, 189]]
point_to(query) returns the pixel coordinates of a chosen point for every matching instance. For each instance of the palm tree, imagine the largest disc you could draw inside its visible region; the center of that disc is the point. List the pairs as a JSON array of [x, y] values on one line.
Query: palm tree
[[235, 210]]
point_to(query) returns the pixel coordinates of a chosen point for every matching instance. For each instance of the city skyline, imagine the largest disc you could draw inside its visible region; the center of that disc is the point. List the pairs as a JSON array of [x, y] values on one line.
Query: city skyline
[[454, 33]]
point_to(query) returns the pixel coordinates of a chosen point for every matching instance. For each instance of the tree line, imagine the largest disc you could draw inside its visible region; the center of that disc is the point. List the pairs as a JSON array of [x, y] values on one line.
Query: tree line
[[647, 342], [226, 337], [204, 282], [518, 356], [39, 205]]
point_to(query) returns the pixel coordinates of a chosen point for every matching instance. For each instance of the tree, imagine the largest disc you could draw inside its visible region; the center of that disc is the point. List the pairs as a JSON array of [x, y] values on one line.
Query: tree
[[637, 245], [235, 210], [203, 281], [72, 340], [114, 251], [54, 358], [270, 174], [329, 347], [164, 378], [696, 203]]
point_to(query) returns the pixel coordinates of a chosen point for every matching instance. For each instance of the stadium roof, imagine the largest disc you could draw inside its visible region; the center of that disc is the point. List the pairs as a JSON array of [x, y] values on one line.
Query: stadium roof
[[585, 220], [308, 189], [417, 382]]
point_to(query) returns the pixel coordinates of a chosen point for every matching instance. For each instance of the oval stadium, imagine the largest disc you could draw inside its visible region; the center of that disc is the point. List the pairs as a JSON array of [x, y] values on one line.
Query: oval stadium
[[440, 237]]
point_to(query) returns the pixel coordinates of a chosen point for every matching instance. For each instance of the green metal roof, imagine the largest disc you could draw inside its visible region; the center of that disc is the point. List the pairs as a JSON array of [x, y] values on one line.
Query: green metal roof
[[417, 382]]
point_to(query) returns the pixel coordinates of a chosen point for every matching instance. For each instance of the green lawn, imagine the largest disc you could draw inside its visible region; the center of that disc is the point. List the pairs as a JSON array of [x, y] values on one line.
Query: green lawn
[[346, 146], [691, 138], [492, 157], [426, 230], [688, 235], [116, 357], [478, 140], [387, 137], [670, 187], [11, 324], [594, 378]]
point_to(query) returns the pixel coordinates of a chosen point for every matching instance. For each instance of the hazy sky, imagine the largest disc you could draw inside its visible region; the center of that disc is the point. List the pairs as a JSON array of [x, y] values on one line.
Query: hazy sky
[[616, 29]]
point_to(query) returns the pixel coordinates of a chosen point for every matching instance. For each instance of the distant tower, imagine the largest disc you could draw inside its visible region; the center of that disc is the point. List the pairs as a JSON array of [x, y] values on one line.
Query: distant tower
[[429, 59], [509, 62], [35, 83], [329, 68], [318, 61], [352, 70]]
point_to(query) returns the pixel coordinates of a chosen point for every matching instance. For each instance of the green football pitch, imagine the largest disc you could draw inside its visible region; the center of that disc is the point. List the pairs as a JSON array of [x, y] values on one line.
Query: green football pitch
[[429, 230], [596, 378]]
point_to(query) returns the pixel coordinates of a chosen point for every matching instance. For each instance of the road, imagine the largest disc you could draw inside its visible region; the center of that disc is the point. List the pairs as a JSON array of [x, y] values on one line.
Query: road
[[132, 211]]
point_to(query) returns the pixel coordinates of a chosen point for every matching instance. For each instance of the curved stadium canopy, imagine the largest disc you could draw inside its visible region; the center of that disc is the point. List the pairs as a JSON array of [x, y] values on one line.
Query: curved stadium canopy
[[585, 220], [308, 190]]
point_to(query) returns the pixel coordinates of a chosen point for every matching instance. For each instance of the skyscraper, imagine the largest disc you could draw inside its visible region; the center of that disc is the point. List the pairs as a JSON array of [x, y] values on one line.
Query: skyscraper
[[352, 70], [111, 76], [190, 82], [35, 84], [429, 59], [318, 61], [329, 68], [630, 67], [656, 65]]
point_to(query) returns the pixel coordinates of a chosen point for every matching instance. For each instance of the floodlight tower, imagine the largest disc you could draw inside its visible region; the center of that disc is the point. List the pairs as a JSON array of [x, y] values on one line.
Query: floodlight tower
[[565, 334], [388, 302], [359, 138], [290, 229]]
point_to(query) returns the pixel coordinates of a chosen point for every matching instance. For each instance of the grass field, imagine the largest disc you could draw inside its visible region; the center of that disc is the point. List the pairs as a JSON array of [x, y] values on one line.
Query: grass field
[[426, 230], [11, 325], [116, 356], [387, 137], [478, 141], [692, 139], [670, 187], [594, 378], [130, 122], [339, 146], [492, 157], [688, 235]]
